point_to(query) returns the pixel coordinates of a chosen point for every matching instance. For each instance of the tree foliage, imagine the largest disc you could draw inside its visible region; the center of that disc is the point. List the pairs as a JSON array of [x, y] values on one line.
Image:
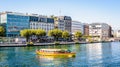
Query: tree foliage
[[86, 37], [29, 32], [2, 31], [78, 34], [33, 31], [56, 33], [65, 35], [26, 33], [40, 32]]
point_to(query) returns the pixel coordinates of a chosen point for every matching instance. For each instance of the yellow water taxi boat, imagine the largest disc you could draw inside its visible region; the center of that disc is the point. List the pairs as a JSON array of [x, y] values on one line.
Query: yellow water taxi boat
[[55, 52]]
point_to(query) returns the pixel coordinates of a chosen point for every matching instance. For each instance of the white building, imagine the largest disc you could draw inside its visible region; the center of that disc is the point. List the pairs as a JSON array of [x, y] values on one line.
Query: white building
[[41, 22], [118, 34], [102, 30], [77, 26]]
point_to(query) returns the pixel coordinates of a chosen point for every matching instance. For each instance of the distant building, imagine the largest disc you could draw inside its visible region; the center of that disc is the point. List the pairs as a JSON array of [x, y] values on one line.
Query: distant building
[[110, 32], [77, 26], [102, 30], [63, 23], [86, 29], [118, 34], [14, 22], [41, 22]]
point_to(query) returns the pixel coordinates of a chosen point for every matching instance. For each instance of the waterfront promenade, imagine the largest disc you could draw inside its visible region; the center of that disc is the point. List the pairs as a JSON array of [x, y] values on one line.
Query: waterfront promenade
[[35, 44]]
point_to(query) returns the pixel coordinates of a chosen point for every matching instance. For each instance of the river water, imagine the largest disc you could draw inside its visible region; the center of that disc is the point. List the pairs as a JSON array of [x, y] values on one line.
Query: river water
[[87, 55]]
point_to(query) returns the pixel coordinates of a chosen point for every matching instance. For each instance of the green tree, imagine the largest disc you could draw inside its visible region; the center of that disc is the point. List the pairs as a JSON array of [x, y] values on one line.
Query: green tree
[[56, 33], [26, 33], [2, 31], [39, 33], [33, 31], [78, 35], [65, 35]]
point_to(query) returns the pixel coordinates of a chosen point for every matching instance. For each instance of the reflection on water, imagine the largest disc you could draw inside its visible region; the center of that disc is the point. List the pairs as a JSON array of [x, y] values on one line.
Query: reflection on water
[[99, 54], [95, 54], [52, 60]]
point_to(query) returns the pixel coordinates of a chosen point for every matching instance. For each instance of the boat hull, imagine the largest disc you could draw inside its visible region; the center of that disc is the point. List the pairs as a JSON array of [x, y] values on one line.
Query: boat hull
[[56, 54]]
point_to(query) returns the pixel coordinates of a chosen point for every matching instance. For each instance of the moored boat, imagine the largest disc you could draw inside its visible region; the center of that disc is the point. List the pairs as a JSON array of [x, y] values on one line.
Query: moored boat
[[55, 52]]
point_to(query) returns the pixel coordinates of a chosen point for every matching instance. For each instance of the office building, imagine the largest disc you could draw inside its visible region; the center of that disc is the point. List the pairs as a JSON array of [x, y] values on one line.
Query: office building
[[63, 23], [41, 22], [101, 30], [77, 26], [14, 22]]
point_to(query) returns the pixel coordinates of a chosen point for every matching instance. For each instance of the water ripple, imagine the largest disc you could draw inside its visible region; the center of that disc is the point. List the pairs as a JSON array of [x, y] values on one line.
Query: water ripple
[[87, 55]]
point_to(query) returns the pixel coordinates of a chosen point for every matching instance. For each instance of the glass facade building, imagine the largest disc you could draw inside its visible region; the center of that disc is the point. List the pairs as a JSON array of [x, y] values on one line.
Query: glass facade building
[[14, 23], [41, 19]]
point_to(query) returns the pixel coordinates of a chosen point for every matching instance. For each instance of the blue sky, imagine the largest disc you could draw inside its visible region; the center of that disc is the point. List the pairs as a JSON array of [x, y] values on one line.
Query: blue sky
[[86, 11]]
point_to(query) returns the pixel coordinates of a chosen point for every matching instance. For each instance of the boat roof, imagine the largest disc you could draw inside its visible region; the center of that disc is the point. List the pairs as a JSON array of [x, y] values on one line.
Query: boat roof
[[52, 49]]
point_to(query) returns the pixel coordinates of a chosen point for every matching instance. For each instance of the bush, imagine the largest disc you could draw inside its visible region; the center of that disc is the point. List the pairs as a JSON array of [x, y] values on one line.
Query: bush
[[57, 43], [76, 42], [30, 43]]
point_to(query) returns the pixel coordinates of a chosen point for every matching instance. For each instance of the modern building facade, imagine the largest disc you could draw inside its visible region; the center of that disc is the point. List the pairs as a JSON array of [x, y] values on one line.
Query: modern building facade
[[77, 26], [101, 30], [41, 22], [14, 23], [64, 23]]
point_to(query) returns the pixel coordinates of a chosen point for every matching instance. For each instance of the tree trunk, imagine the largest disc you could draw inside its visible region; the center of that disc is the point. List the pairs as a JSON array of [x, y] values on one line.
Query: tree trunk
[[27, 39]]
